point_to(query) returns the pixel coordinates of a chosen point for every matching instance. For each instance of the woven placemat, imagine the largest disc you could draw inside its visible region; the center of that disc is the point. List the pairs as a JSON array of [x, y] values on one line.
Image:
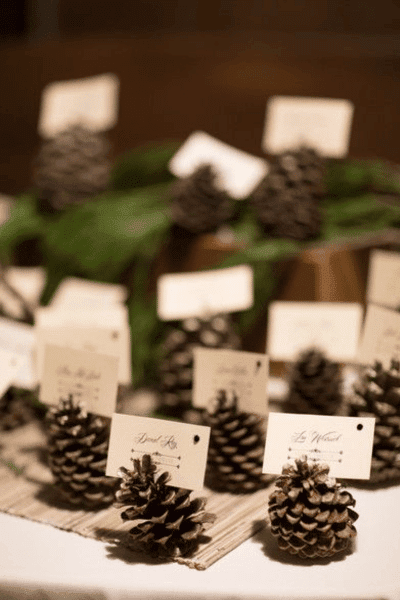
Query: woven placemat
[[26, 490]]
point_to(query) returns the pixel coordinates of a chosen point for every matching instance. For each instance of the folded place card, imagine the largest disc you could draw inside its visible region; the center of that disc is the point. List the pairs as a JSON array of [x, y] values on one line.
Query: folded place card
[[237, 172], [384, 278], [90, 101], [244, 374], [333, 327], [82, 293], [179, 448], [344, 443], [91, 378], [380, 340], [321, 123], [19, 339], [195, 294]]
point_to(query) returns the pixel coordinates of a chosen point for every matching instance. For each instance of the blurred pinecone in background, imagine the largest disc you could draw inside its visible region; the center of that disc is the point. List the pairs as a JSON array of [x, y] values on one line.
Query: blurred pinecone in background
[[172, 523], [310, 513], [197, 204], [236, 449], [315, 385], [378, 395], [176, 366], [16, 408], [287, 201], [77, 455], [71, 168]]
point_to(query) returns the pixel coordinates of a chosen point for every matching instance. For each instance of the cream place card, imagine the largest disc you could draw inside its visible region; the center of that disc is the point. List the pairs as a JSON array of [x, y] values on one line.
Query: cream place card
[[244, 374], [344, 443], [380, 340], [91, 378], [237, 172], [10, 364], [91, 101], [333, 327], [74, 292], [384, 278], [195, 294], [179, 448], [19, 339], [322, 123]]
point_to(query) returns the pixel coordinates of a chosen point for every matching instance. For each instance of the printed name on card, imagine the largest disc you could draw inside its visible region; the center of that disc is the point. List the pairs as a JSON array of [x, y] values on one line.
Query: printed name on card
[[243, 375], [91, 378], [384, 278], [321, 123], [344, 443], [179, 448], [19, 340], [237, 172], [205, 292], [81, 293], [333, 327], [90, 101], [380, 340]]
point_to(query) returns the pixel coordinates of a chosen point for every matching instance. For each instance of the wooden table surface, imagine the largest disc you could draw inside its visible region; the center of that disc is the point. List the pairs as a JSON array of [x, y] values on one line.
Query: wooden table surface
[[172, 85]]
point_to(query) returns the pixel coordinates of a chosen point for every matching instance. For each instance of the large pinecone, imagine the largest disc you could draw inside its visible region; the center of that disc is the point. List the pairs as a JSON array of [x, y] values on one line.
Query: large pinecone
[[171, 523], [287, 201], [176, 366], [378, 395], [197, 204], [72, 168], [16, 408], [77, 455], [236, 449], [310, 513], [315, 385]]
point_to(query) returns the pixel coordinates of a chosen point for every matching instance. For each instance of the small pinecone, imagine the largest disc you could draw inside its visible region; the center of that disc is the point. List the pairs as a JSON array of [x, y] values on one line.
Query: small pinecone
[[16, 408], [172, 523], [197, 204], [287, 201], [77, 455], [176, 366], [72, 168], [378, 395], [310, 513], [236, 449], [315, 385]]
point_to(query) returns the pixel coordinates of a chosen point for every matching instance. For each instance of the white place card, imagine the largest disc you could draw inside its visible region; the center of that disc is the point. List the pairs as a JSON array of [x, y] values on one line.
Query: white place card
[[333, 327], [243, 373], [237, 172], [91, 101], [195, 294], [380, 340], [91, 378], [384, 278], [344, 443], [321, 123], [19, 339], [179, 448], [10, 364], [74, 292]]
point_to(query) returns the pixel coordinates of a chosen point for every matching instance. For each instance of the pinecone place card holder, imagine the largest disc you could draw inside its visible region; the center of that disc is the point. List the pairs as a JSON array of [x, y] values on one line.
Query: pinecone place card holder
[[160, 463]]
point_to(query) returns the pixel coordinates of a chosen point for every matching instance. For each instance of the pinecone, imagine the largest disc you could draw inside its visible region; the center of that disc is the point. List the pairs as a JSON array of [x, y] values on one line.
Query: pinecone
[[172, 523], [72, 168], [287, 201], [236, 449], [315, 385], [310, 513], [378, 395], [16, 408], [176, 367], [197, 204], [77, 454]]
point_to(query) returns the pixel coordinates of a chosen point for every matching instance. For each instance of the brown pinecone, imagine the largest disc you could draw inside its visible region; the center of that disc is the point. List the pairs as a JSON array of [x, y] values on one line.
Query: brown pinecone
[[236, 449], [378, 395], [197, 204], [72, 168], [315, 385], [310, 513], [77, 455], [287, 201], [16, 408], [176, 366], [172, 523]]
